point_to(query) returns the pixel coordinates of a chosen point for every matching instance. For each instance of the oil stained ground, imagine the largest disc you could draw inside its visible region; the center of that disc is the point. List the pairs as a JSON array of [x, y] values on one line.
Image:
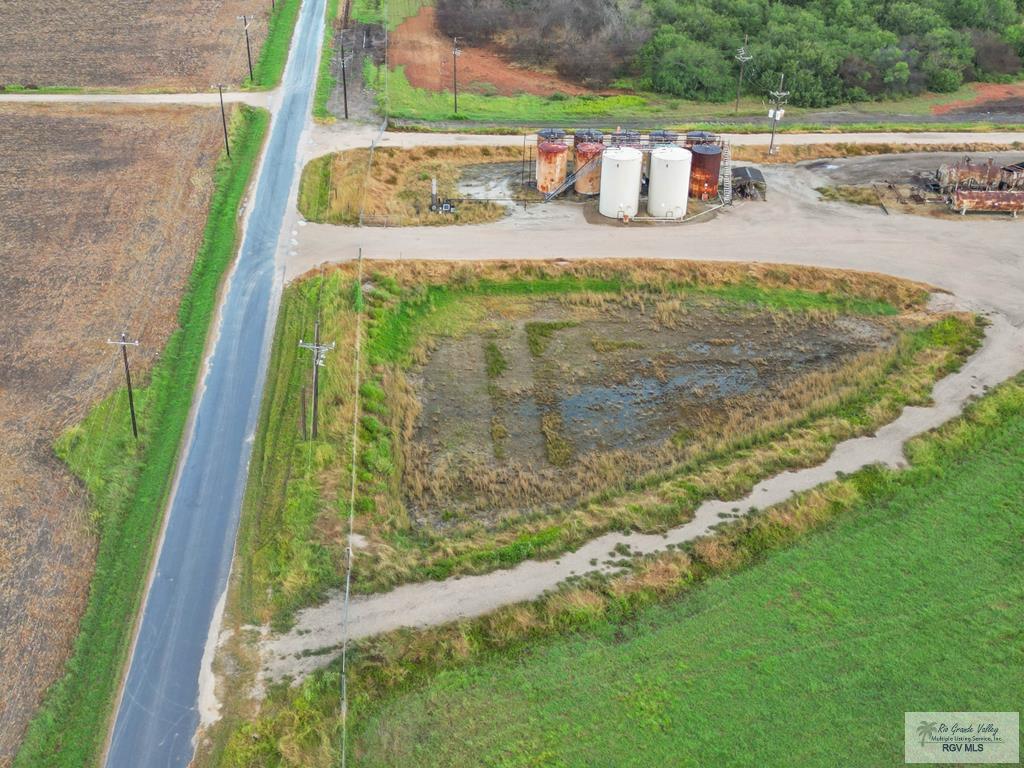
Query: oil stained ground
[[548, 404]]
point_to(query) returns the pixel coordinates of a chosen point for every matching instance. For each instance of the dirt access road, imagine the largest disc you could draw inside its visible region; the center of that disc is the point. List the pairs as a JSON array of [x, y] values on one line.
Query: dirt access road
[[103, 210], [978, 261]]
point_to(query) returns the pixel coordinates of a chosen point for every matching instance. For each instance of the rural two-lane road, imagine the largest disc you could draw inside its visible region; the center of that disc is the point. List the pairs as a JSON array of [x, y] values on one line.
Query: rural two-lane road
[[158, 712]]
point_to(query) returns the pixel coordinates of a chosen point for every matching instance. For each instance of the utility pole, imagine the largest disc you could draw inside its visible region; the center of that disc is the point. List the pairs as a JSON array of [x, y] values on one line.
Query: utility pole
[[344, 71], [223, 118], [779, 99], [456, 52], [124, 343], [319, 355], [248, 48], [742, 57]]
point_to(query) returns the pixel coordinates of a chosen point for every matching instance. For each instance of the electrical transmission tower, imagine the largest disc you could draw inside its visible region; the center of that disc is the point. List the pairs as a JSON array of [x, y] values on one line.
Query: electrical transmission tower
[[319, 356], [124, 343], [779, 100], [742, 57]]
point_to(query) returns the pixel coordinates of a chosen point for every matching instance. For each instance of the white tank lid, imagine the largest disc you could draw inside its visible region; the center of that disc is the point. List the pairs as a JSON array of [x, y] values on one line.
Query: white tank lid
[[622, 154], [670, 153]]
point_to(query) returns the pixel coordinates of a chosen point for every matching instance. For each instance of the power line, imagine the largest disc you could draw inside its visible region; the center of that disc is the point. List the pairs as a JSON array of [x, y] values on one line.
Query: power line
[[351, 524]]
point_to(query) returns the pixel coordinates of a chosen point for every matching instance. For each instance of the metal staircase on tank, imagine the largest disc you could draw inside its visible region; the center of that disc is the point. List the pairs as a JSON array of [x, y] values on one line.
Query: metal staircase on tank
[[726, 176], [571, 179]]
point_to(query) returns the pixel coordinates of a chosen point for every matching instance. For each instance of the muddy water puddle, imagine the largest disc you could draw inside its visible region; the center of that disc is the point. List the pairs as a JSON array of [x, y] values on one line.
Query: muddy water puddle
[[521, 413]]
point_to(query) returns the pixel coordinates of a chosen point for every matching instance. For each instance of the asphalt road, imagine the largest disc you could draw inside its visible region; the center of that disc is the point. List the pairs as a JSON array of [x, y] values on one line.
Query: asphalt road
[[158, 712]]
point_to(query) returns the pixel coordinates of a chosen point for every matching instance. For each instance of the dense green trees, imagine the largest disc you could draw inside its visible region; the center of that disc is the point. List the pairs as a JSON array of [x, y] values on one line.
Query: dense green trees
[[831, 50]]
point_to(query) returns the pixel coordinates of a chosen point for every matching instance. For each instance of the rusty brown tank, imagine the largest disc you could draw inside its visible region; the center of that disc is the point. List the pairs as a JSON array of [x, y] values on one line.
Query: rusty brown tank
[[993, 202], [707, 165], [552, 165], [588, 168]]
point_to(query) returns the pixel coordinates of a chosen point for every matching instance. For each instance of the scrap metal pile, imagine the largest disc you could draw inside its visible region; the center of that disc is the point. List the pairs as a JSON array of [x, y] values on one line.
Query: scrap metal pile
[[972, 186]]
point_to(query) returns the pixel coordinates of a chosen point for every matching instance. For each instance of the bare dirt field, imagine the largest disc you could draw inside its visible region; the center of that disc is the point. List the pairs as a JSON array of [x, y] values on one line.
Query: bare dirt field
[[426, 55], [129, 44], [103, 209]]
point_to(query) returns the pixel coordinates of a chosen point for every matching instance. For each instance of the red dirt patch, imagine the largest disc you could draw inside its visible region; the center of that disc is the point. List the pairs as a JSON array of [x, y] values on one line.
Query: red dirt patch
[[987, 95], [426, 54]]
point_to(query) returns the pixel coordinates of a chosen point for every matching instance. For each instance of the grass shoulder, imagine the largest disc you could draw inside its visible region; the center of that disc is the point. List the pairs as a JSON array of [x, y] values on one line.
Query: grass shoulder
[[273, 55]]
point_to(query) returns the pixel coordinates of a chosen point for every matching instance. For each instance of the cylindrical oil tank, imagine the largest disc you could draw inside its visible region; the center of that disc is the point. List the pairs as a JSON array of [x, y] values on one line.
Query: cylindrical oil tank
[[707, 164], [620, 182], [699, 137], [552, 165], [663, 138], [551, 134], [670, 182], [587, 136], [624, 139], [588, 177]]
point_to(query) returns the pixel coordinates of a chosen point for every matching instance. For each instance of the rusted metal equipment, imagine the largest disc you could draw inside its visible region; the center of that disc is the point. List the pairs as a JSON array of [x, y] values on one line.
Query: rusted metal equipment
[[969, 175], [1013, 176], [965, 200], [552, 165], [707, 165]]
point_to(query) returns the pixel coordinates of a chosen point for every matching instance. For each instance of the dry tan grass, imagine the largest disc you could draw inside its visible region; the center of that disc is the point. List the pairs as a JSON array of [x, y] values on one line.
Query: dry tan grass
[[395, 188], [793, 153], [903, 294]]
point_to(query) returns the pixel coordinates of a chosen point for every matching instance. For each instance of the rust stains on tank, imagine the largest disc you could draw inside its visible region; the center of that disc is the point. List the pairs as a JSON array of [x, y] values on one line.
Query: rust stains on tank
[[707, 164], [973, 200], [588, 168], [552, 165]]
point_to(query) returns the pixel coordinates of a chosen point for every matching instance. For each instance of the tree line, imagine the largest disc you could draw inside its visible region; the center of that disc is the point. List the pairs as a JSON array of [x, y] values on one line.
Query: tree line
[[832, 51]]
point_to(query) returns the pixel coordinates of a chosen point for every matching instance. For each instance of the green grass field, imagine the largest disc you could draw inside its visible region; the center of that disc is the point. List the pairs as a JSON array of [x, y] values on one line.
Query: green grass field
[[912, 600], [128, 483], [402, 101]]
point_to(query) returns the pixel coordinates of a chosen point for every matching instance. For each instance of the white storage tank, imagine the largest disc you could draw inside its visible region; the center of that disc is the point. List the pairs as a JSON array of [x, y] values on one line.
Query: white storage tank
[[620, 182], [669, 182]]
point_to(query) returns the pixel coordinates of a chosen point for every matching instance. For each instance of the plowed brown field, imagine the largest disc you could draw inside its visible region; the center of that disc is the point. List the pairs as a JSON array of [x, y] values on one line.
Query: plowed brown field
[[103, 210], [426, 55], [130, 44]]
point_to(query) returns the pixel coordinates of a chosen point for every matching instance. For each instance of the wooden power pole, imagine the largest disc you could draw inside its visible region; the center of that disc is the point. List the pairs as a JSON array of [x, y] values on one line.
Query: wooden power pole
[[124, 343], [319, 355]]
